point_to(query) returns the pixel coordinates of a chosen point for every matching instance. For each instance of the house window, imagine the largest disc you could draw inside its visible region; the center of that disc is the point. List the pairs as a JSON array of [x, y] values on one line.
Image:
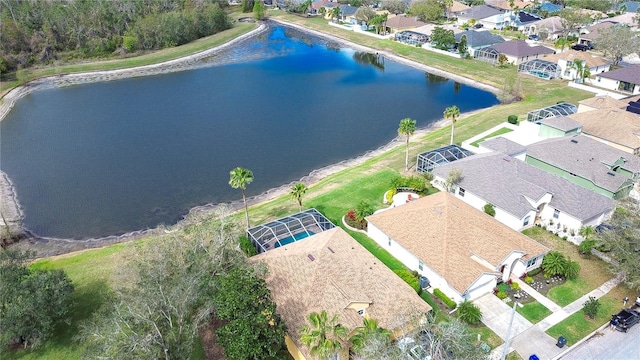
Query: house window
[[420, 265], [531, 262], [461, 192], [556, 213], [526, 220]]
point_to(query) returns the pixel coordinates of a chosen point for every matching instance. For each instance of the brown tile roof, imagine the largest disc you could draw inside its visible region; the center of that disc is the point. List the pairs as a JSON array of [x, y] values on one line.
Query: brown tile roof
[[341, 273], [444, 232], [604, 102], [458, 6], [404, 22], [505, 5], [594, 30], [572, 55], [611, 124]]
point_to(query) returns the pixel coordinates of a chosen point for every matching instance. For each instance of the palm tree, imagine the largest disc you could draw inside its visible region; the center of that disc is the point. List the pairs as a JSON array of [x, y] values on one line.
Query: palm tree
[[335, 13], [370, 330], [297, 191], [587, 231], [452, 112], [407, 128], [240, 178], [324, 336]]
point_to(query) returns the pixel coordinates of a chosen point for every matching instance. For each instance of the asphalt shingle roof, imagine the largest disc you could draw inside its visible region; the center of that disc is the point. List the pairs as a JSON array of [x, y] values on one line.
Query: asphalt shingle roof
[[504, 146], [342, 272], [505, 182], [478, 39], [444, 232], [562, 123], [520, 49], [479, 12], [629, 74], [586, 158], [619, 126]]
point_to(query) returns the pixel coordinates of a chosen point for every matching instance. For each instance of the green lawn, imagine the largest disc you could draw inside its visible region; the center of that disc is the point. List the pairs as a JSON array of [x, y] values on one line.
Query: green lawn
[[569, 292], [533, 311], [486, 335], [577, 326], [493, 134]]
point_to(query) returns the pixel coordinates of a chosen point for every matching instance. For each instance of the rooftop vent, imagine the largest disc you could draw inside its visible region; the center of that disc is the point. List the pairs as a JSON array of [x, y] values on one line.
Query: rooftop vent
[[507, 159], [574, 141], [610, 173], [331, 250], [311, 257], [438, 211]]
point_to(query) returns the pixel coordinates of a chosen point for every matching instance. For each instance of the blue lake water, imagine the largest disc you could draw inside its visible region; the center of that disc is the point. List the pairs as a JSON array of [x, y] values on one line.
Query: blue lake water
[[108, 158]]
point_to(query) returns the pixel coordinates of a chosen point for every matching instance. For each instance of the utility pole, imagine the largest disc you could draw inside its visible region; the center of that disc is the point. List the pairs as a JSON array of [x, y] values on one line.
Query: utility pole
[[505, 351]]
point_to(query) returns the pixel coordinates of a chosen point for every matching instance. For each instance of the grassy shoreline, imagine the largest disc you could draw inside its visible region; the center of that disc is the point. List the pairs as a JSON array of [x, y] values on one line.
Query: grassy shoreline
[[92, 270]]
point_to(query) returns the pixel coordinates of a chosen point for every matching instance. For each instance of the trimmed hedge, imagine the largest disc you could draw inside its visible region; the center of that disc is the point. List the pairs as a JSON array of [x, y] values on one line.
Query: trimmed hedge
[[512, 119], [247, 246], [409, 279], [450, 303]]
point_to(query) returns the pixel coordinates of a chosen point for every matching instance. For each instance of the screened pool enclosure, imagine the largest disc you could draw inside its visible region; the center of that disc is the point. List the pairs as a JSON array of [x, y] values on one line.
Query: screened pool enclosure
[[288, 229], [559, 109], [540, 68], [427, 161]]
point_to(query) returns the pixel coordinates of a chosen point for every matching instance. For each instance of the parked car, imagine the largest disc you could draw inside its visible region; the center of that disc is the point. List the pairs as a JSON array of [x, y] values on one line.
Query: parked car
[[625, 319], [581, 47], [478, 26], [534, 37]]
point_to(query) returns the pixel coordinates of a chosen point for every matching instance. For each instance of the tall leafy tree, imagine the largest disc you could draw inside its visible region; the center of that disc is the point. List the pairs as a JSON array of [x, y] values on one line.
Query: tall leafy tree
[[258, 10], [323, 335], [239, 178], [297, 191], [253, 329], [427, 10], [452, 112], [335, 13], [462, 45], [407, 127], [617, 41], [31, 301]]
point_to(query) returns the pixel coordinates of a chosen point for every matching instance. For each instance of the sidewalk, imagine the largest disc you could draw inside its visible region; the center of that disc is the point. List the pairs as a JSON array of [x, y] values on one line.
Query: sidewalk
[[526, 338]]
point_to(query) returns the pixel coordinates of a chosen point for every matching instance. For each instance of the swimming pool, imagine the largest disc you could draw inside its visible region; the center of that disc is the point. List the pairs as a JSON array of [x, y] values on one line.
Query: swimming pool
[[294, 238]]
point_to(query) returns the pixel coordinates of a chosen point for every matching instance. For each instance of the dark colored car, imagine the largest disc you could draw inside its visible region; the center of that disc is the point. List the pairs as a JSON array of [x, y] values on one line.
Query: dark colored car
[[478, 26], [534, 37], [625, 319], [581, 47]]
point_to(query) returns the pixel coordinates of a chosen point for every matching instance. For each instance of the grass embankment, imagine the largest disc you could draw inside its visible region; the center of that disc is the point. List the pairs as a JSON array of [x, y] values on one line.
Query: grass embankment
[[26, 75], [92, 271], [493, 134]]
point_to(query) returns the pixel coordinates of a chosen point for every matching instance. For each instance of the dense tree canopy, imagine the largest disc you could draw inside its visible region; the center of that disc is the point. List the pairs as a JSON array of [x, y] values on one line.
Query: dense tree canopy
[[428, 10], [617, 41], [31, 301], [37, 32]]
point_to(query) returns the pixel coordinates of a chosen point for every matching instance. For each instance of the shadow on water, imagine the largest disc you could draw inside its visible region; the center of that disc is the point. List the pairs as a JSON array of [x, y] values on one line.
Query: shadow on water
[[365, 58]]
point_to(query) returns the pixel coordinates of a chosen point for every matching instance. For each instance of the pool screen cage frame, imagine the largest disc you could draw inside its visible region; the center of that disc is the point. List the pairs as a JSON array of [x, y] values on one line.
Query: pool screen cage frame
[[559, 109], [412, 37], [427, 161], [487, 54], [265, 237], [540, 68]]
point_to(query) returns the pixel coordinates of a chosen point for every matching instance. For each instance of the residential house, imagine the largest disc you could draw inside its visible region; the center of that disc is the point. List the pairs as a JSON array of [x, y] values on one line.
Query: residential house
[[628, 19], [589, 34], [516, 52], [601, 102], [477, 14], [326, 4], [456, 8], [522, 20], [347, 14], [550, 28], [625, 80], [549, 8], [462, 251], [558, 126], [331, 271], [478, 39], [508, 5], [588, 163], [403, 22], [614, 126], [523, 195], [567, 60]]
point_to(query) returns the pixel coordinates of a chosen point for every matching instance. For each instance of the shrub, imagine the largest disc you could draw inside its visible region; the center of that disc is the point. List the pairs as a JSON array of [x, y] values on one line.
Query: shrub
[[501, 295], [409, 279], [528, 280], [586, 246], [571, 270], [591, 306], [534, 272], [469, 313], [247, 246], [554, 264], [512, 119], [416, 183], [515, 286], [389, 195], [489, 210], [503, 288], [450, 303]]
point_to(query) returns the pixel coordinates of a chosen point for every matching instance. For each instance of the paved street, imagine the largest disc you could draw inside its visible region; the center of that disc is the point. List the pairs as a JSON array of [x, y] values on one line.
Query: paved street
[[608, 344]]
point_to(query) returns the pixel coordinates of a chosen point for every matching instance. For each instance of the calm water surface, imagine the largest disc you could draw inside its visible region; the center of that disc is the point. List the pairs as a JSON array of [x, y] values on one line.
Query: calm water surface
[[108, 158]]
